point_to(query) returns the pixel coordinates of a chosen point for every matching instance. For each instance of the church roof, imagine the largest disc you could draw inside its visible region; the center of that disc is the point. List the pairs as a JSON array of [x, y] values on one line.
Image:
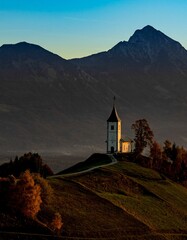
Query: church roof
[[114, 116], [126, 139]]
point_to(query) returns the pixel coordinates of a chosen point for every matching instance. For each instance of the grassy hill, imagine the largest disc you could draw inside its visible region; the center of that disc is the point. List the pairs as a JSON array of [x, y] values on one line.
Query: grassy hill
[[121, 201], [95, 160]]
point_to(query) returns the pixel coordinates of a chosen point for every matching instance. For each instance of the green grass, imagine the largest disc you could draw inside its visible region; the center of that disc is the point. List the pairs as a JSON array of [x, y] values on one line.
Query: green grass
[[165, 208], [120, 201], [134, 170], [87, 214], [124, 199]]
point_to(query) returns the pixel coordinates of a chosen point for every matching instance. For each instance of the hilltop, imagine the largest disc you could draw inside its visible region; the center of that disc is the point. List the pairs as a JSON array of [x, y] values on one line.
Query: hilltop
[[124, 201], [119, 201]]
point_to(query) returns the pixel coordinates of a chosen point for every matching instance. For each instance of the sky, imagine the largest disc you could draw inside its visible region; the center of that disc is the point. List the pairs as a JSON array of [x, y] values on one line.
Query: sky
[[77, 28]]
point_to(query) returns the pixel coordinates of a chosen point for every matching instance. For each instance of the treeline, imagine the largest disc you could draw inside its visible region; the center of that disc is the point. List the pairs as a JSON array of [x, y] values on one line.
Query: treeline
[[169, 159], [26, 193], [31, 161]]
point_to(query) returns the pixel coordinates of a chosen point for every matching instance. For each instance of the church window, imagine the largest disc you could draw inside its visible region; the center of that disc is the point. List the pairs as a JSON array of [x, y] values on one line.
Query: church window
[[112, 127]]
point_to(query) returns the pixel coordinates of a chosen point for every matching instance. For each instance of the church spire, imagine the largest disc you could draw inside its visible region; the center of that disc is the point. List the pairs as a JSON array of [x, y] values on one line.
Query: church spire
[[114, 117], [113, 131]]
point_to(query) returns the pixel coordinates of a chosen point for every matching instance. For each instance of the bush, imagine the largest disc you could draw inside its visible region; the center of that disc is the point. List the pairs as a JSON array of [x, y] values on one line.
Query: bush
[[56, 224]]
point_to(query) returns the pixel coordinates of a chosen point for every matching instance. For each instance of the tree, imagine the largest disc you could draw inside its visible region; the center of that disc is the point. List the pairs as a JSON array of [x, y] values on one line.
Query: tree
[[25, 197], [46, 189], [56, 224], [156, 155], [143, 135], [29, 161], [167, 153]]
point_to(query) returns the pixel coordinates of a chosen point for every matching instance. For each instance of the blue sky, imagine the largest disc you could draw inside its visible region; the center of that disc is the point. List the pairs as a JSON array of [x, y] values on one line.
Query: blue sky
[[76, 28]]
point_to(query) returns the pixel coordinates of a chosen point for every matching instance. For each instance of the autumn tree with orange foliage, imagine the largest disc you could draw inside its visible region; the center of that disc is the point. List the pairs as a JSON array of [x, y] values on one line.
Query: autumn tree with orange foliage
[[25, 197]]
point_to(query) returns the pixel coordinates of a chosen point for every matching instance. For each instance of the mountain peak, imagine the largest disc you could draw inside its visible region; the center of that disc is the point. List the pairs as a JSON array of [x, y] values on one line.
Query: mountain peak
[[27, 49], [149, 28], [21, 45], [147, 34]]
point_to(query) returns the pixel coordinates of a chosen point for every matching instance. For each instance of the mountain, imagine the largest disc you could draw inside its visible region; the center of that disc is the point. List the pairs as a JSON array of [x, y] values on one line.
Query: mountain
[[48, 103], [148, 74]]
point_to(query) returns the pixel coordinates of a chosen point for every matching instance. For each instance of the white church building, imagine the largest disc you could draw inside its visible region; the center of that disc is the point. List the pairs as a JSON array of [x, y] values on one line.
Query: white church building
[[115, 143]]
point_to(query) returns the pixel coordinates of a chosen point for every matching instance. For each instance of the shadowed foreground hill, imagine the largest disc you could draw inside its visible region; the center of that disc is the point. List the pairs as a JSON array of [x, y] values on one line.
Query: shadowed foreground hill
[[122, 201]]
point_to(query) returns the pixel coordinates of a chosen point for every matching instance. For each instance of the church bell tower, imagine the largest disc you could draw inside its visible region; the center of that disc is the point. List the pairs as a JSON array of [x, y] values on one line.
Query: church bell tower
[[113, 131]]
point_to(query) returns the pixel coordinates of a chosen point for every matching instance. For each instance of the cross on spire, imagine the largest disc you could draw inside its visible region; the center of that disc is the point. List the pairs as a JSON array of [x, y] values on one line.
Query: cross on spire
[[114, 101]]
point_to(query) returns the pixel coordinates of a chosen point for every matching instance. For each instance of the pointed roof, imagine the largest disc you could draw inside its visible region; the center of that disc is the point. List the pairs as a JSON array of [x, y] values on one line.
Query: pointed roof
[[114, 116]]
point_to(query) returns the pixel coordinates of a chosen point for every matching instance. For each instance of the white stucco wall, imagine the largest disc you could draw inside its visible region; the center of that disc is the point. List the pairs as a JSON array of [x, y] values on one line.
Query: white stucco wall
[[113, 136]]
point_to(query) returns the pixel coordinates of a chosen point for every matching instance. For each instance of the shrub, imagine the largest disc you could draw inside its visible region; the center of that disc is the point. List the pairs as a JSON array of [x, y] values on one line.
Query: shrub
[[56, 224]]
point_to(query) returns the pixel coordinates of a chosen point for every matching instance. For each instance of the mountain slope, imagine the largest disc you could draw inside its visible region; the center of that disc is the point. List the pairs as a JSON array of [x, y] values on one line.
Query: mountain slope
[[50, 104], [42, 98], [123, 200], [145, 48], [148, 74]]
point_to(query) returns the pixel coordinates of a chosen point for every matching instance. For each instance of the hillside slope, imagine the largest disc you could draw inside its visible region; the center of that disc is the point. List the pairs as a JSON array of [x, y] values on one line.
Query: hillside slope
[[122, 201]]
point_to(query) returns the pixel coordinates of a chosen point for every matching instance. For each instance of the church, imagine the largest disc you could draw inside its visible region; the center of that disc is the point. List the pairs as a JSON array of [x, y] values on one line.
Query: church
[[115, 143]]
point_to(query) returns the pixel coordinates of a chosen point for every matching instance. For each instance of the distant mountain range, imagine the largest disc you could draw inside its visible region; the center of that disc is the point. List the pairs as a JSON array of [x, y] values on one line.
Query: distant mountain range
[[48, 103]]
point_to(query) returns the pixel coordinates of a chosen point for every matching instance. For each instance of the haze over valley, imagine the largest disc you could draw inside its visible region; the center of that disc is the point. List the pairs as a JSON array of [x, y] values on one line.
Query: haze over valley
[[49, 104]]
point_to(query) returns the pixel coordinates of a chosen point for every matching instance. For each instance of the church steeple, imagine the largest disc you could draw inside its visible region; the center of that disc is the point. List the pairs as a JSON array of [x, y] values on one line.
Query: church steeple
[[114, 117], [113, 131]]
